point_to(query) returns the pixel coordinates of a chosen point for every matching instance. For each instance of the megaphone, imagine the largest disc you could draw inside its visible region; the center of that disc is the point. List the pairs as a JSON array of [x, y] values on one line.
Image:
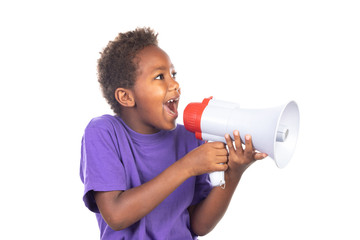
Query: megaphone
[[274, 130]]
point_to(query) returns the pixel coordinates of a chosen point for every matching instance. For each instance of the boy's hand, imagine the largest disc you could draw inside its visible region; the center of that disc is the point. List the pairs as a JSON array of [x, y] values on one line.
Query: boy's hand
[[207, 158], [241, 158]]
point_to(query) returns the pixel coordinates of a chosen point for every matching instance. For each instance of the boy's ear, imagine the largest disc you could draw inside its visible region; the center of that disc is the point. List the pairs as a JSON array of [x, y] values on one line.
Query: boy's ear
[[125, 97]]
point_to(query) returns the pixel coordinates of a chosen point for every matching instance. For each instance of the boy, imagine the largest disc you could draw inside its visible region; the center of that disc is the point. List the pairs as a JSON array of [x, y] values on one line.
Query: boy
[[146, 177]]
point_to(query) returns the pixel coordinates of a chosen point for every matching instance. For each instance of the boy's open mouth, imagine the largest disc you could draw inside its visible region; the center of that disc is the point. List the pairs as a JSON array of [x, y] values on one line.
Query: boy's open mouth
[[171, 106]]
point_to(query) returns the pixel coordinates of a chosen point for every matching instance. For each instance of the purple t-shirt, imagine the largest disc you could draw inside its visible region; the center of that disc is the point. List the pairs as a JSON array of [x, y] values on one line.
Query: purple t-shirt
[[114, 157]]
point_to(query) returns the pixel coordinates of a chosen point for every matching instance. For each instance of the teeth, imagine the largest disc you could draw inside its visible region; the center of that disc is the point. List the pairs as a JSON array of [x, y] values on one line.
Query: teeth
[[172, 100]]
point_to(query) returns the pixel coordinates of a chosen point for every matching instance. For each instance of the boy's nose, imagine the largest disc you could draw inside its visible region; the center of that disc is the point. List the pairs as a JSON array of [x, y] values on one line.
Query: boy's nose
[[174, 86], [178, 90]]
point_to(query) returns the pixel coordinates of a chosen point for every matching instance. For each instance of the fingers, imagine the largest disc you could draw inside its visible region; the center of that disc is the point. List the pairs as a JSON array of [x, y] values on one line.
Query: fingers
[[218, 145], [222, 167], [222, 159], [222, 152], [237, 139], [219, 151], [260, 156], [229, 143], [249, 149]]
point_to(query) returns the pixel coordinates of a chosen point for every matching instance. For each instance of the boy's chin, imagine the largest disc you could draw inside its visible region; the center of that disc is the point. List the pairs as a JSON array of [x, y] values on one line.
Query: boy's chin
[[171, 127], [175, 124]]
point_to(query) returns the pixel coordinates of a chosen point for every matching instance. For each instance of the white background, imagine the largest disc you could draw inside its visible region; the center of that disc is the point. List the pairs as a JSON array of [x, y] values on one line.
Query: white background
[[257, 53]]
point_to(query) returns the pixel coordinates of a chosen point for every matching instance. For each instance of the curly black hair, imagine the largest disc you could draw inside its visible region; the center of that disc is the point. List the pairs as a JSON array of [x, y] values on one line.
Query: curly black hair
[[117, 65]]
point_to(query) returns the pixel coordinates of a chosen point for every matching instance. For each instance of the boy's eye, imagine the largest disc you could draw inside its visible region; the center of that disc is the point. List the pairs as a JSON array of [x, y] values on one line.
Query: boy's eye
[[160, 77]]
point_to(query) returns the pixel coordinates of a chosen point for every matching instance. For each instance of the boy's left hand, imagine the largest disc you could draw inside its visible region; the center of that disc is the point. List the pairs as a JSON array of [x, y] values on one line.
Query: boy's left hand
[[241, 158]]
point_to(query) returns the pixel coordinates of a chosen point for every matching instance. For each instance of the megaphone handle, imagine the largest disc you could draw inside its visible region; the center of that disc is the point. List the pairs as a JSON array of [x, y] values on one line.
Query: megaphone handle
[[217, 179]]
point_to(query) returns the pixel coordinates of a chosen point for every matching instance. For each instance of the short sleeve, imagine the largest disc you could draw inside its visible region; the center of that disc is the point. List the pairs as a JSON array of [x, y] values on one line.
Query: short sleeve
[[101, 168], [202, 188]]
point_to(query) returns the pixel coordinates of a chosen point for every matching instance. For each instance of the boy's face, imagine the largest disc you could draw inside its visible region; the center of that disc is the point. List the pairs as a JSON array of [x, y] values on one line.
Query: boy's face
[[156, 92]]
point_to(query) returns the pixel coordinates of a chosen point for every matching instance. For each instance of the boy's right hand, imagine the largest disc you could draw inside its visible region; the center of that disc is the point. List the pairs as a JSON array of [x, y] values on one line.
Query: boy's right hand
[[207, 158]]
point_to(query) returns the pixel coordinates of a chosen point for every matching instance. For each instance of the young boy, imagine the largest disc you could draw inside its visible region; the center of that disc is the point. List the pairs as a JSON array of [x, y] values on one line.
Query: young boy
[[146, 177]]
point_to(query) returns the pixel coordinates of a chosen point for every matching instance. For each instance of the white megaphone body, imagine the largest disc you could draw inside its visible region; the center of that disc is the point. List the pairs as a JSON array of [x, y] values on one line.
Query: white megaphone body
[[274, 130]]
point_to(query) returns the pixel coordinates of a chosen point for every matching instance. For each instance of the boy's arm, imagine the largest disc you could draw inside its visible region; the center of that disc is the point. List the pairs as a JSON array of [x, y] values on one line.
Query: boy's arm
[[121, 209], [205, 215]]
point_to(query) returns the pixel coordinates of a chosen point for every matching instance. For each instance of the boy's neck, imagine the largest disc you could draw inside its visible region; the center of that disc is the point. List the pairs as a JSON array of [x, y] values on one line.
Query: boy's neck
[[128, 115]]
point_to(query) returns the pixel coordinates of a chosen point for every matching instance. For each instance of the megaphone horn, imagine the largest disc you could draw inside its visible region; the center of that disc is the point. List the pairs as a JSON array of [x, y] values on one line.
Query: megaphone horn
[[274, 130]]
